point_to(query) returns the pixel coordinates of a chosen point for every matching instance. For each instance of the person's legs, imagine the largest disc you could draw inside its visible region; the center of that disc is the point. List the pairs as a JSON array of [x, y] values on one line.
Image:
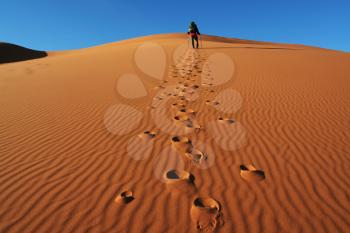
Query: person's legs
[[192, 41], [197, 42]]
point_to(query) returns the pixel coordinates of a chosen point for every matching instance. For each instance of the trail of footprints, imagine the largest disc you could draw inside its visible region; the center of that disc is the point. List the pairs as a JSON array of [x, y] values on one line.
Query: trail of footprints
[[205, 211]]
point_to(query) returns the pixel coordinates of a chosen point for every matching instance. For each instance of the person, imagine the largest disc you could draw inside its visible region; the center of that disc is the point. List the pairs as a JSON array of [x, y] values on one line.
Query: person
[[194, 33]]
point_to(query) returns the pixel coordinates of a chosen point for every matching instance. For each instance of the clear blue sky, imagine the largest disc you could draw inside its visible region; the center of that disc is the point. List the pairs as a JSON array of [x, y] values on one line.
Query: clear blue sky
[[72, 24]]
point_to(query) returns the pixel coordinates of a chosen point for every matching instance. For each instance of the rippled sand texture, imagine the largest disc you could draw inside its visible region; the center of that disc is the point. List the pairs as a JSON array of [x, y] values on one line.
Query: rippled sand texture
[[146, 135]]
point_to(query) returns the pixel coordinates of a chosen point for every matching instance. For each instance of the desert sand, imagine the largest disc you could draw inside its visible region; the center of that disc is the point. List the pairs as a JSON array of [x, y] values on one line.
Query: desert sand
[[148, 135]]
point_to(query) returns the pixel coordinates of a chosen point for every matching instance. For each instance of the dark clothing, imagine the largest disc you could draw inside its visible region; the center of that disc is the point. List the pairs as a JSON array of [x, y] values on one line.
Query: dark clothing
[[194, 39], [194, 32]]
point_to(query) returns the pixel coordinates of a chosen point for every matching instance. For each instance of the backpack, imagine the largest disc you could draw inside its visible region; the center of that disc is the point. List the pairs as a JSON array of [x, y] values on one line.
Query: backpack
[[192, 29]]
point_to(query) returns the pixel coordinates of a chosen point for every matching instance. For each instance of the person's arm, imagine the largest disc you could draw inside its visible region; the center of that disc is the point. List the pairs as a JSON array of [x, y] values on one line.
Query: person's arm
[[197, 31]]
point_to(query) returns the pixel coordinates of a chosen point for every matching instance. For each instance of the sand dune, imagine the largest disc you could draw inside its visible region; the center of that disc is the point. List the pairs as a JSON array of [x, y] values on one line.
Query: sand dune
[[14, 53], [146, 135]]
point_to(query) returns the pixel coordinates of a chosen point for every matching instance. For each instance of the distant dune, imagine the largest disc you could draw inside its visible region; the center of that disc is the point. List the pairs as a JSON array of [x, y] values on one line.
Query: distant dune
[[150, 135], [15, 53]]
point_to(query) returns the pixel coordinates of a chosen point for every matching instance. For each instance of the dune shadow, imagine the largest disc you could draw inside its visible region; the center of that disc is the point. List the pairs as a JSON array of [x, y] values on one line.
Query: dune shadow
[[14, 53]]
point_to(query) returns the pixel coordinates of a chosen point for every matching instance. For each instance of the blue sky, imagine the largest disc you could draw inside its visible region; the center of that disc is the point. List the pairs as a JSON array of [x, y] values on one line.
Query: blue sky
[[73, 24]]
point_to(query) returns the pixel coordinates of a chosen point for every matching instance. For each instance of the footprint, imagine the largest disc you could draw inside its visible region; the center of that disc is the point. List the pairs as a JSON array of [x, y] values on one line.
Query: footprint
[[159, 87], [148, 134], [185, 114], [202, 155], [125, 197], [182, 144], [179, 105], [207, 84], [141, 146], [212, 103], [209, 90], [226, 120], [251, 174], [176, 175], [193, 125], [168, 159], [196, 156], [181, 118], [190, 125], [206, 214], [180, 180]]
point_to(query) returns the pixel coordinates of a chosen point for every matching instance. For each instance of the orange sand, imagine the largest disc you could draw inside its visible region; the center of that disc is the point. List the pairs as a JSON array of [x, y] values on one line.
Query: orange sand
[[66, 155]]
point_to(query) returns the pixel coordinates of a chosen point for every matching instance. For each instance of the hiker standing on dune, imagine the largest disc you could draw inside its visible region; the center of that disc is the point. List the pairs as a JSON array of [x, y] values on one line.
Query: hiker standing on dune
[[194, 33]]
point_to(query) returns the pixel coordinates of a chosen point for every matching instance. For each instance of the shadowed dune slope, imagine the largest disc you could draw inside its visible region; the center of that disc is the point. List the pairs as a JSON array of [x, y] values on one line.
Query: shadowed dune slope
[[15, 53]]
